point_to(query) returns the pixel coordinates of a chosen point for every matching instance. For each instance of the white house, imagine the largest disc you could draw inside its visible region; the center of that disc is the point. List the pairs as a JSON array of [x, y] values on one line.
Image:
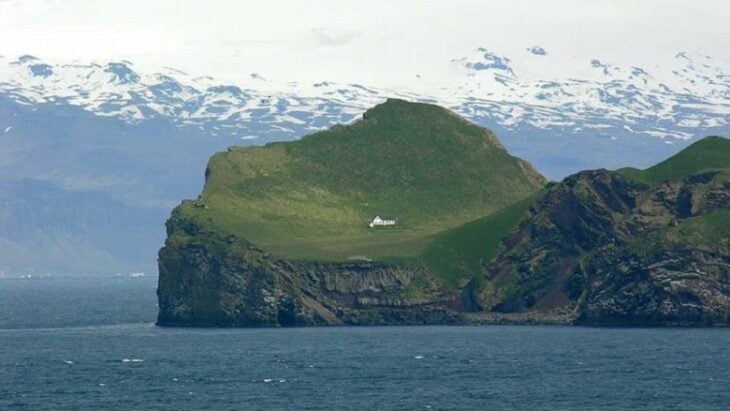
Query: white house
[[379, 221]]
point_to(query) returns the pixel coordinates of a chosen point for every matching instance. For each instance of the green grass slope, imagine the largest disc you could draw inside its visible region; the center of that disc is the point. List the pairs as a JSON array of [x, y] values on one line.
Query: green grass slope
[[462, 252], [312, 199], [710, 153]]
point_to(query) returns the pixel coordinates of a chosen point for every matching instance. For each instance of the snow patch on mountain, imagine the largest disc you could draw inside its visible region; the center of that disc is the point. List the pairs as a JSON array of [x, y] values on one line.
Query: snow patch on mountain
[[533, 89], [662, 102]]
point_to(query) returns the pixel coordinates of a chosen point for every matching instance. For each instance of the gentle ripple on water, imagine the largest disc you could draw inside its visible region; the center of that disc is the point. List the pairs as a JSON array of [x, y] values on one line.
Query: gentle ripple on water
[[82, 364]]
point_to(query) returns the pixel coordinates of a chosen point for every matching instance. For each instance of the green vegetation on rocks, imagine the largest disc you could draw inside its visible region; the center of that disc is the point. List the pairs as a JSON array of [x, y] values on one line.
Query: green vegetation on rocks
[[710, 153]]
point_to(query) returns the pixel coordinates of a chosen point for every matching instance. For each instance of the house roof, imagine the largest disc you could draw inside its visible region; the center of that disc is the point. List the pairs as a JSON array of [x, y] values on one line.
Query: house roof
[[385, 217]]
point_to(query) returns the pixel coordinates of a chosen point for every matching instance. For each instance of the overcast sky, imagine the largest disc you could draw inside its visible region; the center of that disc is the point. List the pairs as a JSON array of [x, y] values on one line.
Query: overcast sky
[[372, 42]]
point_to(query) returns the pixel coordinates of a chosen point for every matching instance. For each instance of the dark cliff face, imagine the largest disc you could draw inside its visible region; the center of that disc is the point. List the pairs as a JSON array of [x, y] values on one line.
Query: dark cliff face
[[675, 286], [613, 251], [210, 281]]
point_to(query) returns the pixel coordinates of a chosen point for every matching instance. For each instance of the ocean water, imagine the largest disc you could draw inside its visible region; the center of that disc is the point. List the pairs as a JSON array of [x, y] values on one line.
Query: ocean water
[[91, 344]]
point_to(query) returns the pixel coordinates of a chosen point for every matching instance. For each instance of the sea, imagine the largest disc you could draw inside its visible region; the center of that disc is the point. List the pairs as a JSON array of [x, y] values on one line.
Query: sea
[[91, 344]]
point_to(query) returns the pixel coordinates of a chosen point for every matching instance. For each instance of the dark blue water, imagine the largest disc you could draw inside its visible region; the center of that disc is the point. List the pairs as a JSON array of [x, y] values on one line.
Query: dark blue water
[[91, 344]]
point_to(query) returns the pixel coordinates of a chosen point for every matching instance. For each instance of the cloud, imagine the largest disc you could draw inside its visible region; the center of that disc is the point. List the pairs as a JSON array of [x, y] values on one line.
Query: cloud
[[379, 42], [331, 38]]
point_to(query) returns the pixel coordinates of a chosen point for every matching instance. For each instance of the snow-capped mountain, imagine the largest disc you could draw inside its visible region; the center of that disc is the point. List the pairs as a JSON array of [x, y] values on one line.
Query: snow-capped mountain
[[94, 155], [674, 101], [116, 89], [691, 94]]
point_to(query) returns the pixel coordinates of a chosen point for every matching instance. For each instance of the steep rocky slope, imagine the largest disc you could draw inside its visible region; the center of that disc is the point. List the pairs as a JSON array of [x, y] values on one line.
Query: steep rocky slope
[[206, 280], [624, 248]]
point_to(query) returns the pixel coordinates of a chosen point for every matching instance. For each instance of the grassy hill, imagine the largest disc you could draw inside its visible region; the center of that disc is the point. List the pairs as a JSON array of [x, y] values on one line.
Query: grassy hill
[[460, 252], [710, 153], [312, 199]]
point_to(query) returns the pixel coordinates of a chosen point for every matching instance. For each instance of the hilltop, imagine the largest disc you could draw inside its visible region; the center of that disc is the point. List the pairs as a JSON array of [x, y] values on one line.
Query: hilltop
[[709, 154], [312, 199]]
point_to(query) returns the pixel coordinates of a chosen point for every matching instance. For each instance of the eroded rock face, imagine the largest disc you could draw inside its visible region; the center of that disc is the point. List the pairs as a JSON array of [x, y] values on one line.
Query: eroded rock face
[[674, 286], [613, 252], [208, 281]]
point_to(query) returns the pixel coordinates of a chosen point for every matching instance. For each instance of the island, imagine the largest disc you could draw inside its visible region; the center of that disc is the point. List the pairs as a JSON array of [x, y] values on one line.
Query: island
[[295, 234]]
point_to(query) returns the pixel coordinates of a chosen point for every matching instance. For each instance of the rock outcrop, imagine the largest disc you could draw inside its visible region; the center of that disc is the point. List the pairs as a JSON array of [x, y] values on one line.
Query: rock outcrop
[[620, 252]]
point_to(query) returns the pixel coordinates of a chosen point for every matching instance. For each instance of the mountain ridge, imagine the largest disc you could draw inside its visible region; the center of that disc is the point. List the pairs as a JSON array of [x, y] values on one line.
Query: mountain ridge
[[692, 94]]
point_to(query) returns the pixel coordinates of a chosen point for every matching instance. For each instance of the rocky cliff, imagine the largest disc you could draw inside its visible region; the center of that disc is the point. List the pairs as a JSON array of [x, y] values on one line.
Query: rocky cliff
[[206, 280], [616, 251]]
